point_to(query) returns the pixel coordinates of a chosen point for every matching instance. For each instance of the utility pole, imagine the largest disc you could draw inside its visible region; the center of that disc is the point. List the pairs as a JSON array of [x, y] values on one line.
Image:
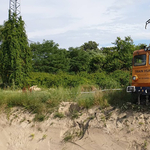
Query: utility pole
[[14, 7]]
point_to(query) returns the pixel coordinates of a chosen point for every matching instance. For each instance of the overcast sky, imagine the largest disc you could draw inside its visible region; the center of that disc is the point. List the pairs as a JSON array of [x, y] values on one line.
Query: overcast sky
[[71, 23]]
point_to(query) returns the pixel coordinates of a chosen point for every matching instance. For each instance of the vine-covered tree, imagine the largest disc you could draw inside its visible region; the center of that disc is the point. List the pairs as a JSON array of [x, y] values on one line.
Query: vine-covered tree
[[1, 27], [15, 59]]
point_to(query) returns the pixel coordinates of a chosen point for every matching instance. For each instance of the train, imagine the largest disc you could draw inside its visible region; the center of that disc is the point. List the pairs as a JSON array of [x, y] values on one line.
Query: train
[[141, 74]]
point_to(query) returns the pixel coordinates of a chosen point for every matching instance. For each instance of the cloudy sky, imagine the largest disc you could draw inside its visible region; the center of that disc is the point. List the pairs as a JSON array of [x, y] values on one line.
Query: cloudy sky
[[71, 23]]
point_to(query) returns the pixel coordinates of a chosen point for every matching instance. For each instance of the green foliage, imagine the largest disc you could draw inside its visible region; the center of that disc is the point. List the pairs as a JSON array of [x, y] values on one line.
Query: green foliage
[[15, 60], [85, 100], [119, 57], [55, 80], [100, 80], [39, 117], [140, 46], [100, 100], [103, 80], [1, 27], [122, 77], [58, 115], [125, 50], [97, 63], [44, 102], [79, 60], [48, 58], [89, 46], [118, 98], [68, 137]]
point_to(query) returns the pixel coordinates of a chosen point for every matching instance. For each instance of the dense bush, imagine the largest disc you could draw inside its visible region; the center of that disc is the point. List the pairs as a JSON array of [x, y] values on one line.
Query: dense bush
[[100, 80], [55, 80], [122, 77]]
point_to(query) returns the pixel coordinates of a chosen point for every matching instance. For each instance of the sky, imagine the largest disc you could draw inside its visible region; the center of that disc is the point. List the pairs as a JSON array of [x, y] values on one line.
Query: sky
[[71, 23]]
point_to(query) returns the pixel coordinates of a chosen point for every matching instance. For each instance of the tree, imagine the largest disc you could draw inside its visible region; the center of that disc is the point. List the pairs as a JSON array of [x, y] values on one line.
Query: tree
[[91, 45], [97, 63], [125, 49], [47, 57], [1, 27], [140, 46], [120, 57], [15, 62], [79, 60]]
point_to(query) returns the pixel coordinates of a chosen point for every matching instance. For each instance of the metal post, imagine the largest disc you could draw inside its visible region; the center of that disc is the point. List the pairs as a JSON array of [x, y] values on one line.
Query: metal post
[[139, 99], [14, 7], [146, 99]]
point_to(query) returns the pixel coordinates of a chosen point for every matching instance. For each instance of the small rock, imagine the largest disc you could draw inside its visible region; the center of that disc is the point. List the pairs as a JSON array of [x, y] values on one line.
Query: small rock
[[119, 124], [141, 116], [122, 115]]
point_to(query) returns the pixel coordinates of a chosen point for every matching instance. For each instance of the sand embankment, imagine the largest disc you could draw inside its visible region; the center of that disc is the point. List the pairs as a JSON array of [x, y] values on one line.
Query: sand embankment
[[108, 129]]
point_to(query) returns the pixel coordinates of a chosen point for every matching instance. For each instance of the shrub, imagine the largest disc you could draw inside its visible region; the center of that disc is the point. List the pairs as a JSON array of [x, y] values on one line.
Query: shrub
[[122, 77], [118, 98], [85, 100], [103, 80], [58, 115], [55, 80]]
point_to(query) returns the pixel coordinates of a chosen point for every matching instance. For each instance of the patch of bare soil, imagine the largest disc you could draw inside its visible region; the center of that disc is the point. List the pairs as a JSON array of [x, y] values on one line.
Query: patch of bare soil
[[78, 129]]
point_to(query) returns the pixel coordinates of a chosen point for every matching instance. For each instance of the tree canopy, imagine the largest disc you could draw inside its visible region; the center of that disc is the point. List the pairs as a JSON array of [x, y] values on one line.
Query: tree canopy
[[17, 57], [91, 45], [47, 57]]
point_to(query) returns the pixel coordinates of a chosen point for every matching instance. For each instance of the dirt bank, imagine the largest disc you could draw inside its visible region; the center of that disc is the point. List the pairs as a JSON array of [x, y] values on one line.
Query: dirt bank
[[93, 129]]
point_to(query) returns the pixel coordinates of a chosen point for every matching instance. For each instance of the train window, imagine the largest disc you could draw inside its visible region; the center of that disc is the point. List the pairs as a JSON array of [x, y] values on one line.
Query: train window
[[139, 60]]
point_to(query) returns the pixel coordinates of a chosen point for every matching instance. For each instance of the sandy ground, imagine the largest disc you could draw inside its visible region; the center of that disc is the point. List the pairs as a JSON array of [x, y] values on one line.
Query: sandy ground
[[107, 129]]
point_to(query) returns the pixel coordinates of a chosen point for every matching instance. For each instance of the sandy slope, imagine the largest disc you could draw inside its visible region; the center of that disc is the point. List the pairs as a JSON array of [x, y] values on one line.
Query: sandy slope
[[108, 130]]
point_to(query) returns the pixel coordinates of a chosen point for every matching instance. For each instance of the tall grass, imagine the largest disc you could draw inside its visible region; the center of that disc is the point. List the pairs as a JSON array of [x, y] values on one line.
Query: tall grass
[[37, 101], [41, 102], [118, 98]]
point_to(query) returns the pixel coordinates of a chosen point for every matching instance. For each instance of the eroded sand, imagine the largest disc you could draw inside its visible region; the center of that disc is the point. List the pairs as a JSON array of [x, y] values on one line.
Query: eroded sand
[[107, 130]]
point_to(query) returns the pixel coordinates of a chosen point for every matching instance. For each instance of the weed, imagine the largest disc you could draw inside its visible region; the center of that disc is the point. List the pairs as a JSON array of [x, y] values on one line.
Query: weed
[[51, 123], [75, 115], [58, 115], [45, 102], [118, 98], [141, 123], [86, 100], [68, 137], [33, 125], [39, 129], [100, 100], [8, 112], [108, 115], [103, 119], [39, 117], [32, 136], [23, 120], [145, 145], [44, 136], [71, 135]]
